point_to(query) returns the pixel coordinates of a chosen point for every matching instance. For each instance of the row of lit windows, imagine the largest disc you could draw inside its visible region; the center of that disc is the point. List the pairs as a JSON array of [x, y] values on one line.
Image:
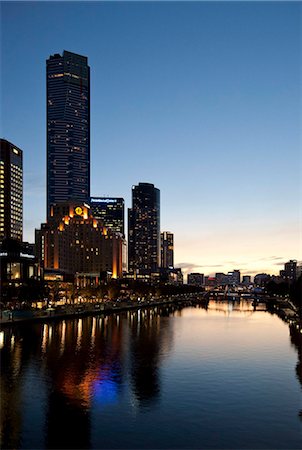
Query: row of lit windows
[[15, 168]]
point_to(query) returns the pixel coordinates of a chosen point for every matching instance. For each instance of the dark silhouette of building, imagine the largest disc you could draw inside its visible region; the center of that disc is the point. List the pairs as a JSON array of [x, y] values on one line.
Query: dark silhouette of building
[[167, 249], [246, 279], [110, 211], [68, 129], [290, 271], [195, 279], [11, 191], [144, 230]]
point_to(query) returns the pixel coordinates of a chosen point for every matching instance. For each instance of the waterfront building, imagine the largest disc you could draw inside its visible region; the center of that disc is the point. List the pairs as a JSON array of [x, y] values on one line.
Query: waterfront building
[[11, 191], [221, 278], [170, 275], [18, 266], [261, 279], [246, 279], [144, 230], [110, 211], [167, 249], [76, 243], [68, 129], [210, 281], [234, 277], [195, 279], [290, 271]]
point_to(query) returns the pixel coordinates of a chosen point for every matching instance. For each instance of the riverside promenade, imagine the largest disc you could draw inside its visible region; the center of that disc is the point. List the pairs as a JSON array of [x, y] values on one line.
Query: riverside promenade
[[283, 307], [88, 309]]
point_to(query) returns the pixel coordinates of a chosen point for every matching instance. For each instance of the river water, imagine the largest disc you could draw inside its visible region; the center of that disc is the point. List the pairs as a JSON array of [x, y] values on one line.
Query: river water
[[225, 377]]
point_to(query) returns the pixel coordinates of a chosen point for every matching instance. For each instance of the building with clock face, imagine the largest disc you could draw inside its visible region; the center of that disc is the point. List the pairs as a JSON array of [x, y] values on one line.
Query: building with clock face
[[74, 242]]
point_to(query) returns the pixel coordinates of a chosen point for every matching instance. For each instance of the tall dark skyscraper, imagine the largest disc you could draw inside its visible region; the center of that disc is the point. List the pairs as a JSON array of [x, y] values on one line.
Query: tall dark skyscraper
[[144, 230], [68, 129], [167, 249], [11, 191], [110, 211]]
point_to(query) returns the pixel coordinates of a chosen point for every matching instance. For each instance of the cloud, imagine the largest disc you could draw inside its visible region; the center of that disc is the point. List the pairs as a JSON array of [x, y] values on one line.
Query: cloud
[[250, 272], [271, 258], [188, 267]]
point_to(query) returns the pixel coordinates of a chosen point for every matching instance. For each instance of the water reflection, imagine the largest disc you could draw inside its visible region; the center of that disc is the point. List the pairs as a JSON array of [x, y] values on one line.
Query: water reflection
[[150, 339], [296, 340], [61, 380], [83, 362]]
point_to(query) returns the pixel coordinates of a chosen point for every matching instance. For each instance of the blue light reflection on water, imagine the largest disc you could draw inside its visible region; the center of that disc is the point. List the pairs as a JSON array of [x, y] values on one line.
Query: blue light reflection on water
[[192, 378], [105, 391]]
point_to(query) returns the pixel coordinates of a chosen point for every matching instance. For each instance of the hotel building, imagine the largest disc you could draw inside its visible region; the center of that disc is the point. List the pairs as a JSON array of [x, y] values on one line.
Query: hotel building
[[76, 243]]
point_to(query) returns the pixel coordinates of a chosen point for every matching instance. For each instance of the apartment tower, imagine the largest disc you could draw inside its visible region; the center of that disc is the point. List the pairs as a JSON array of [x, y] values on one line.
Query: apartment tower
[[68, 129], [144, 230], [11, 191]]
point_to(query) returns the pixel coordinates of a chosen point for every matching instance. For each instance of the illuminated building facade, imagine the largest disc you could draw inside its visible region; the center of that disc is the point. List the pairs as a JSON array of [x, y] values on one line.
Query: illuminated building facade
[[11, 191], [78, 244], [144, 230], [18, 265], [110, 211], [167, 249], [68, 129]]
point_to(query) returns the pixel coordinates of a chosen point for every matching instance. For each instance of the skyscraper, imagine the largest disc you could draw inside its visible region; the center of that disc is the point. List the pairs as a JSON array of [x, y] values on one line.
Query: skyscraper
[[68, 129], [110, 211], [144, 230], [167, 249], [11, 191]]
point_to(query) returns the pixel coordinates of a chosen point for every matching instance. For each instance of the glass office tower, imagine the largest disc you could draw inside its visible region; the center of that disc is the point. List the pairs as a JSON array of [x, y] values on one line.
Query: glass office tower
[[11, 191], [110, 211], [68, 129], [144, 230]]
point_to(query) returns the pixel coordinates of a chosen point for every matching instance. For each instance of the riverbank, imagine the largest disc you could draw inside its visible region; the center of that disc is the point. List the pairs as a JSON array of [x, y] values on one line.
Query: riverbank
[[283, 307], [89, 309]]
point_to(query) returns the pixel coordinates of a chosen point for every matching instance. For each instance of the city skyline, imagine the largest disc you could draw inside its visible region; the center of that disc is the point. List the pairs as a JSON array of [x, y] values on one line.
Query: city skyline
[[226, 208]]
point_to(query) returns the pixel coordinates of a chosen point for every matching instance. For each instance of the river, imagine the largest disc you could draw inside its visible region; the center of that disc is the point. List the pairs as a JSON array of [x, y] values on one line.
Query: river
[[221, 377]]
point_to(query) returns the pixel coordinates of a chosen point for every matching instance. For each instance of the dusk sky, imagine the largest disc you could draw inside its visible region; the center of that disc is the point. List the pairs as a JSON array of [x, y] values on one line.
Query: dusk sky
[[203, 99]]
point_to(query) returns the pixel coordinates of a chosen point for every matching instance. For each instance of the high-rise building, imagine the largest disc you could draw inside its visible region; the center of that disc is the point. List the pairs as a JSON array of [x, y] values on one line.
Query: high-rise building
[[11, 191], [68, 129], [110, 211], [144, 230], [167, 249]]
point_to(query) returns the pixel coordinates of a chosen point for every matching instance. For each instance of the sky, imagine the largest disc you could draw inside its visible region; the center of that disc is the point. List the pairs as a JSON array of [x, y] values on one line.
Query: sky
[[203, 99]]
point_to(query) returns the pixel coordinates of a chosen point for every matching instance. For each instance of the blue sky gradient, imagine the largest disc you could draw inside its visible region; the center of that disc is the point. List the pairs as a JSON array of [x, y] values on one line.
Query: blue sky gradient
[[202, 99]]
